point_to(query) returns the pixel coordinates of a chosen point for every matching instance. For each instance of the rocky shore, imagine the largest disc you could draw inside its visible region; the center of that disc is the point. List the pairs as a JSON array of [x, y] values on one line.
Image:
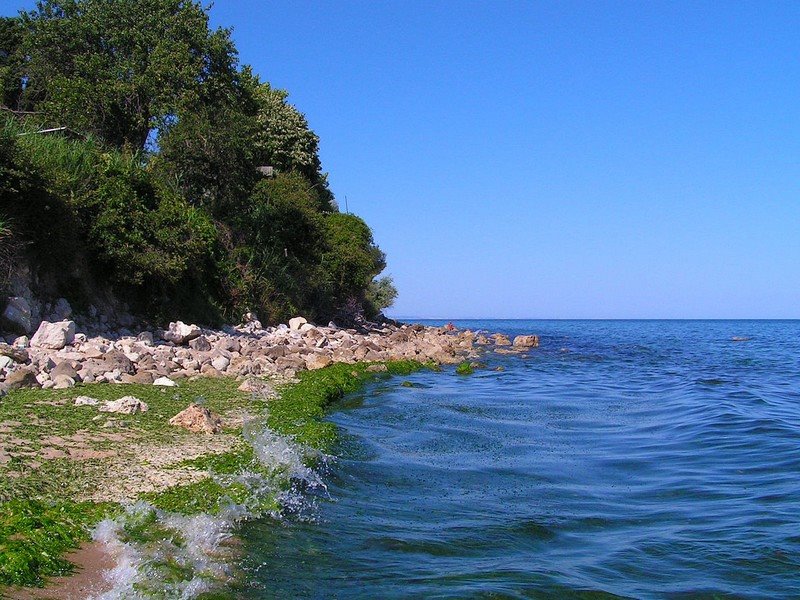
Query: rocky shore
[[59, 355]]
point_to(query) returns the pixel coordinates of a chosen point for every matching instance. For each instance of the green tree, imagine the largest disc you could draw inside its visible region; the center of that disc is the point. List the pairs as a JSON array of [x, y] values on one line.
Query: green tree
[[284, 140], [120, 69], [350, 259], [11, 61]]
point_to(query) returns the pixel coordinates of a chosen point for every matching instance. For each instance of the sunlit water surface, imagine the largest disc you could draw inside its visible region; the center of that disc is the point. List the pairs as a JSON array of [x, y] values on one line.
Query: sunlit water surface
[[644, 459]]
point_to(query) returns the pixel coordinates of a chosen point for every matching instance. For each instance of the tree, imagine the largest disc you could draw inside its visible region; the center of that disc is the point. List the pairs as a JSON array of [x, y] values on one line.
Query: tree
[[285, 141], [120, 69], [11, 35]]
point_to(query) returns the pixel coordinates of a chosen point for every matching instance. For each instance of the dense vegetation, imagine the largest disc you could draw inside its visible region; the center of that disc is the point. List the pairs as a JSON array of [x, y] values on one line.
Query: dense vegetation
[[153, 189]]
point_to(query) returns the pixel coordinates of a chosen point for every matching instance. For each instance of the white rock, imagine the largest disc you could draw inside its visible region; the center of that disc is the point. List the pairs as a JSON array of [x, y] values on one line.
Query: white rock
[[6, 361], [180, 333], [165, 381], [126, 405], [220, 363], [296, 323], [54, 335], [86, 401], [306, 327]]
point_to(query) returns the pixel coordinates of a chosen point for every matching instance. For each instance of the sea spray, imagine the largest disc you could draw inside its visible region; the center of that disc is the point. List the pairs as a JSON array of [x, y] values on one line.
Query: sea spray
[[164, 554]]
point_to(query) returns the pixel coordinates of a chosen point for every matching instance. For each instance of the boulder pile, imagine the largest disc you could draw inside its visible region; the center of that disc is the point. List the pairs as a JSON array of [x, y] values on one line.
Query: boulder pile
[[58, 356]]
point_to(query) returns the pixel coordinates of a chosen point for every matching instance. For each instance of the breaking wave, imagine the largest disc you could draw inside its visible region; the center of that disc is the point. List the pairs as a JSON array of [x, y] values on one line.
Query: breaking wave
[[161, 554]]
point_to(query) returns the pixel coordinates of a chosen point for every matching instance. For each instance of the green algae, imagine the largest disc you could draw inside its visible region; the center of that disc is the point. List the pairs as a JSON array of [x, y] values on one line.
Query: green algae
[[36, 530]]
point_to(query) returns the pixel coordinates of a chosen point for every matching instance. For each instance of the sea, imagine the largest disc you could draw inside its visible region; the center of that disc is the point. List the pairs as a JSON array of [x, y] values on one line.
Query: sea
[[619, 459]]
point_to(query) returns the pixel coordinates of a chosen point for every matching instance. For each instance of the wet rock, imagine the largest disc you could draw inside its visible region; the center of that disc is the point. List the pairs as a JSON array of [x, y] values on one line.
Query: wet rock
[[526, 341], [127, 405], [501, 340], [54, 335], [197, 419], [180, 333]]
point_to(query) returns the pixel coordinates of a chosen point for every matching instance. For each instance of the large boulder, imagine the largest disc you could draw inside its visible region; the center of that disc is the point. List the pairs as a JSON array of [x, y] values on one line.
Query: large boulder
[[54, 335], [16, 316], [197, 419], [180, 333], [526, 341]]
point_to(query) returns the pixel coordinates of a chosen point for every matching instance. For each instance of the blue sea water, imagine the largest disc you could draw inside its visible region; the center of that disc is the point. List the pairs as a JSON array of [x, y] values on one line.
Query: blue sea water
[[633, 459]]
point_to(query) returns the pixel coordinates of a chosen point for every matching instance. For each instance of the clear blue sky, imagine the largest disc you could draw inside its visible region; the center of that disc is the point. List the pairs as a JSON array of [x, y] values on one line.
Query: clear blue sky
[[554, 159]]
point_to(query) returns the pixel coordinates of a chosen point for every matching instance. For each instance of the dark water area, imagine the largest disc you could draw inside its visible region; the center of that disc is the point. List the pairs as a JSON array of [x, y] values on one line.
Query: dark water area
[[634, 459]]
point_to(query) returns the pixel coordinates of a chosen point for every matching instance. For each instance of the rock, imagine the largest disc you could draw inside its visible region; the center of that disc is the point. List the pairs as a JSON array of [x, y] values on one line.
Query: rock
[[16, 316], [54, 335], [376, 368], [306, 327], [197, 419], [62, 382], [220, 362], [6, 362], [181, 333], [22, 342], [60, 311], [228, 344], [64, 368], [21, 378], [141, 377], [257, 386], [209, 371], [201, 344], [526, 341], [145, 337], [15, 353], [115, 360], [165, 382], [86, 401], [501, 340], [296, 323], [127, 405], [317, 361]]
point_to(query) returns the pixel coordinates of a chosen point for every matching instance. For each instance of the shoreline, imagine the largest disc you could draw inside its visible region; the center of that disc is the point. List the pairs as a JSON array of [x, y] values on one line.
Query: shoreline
[[275, 367]]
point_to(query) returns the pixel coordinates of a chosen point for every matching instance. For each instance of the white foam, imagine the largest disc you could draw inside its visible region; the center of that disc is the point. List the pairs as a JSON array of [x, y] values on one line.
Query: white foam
[[203, 552]]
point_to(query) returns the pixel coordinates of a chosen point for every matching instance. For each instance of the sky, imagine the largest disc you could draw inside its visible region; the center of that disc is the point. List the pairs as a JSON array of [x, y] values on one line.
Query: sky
[[554, 159]]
